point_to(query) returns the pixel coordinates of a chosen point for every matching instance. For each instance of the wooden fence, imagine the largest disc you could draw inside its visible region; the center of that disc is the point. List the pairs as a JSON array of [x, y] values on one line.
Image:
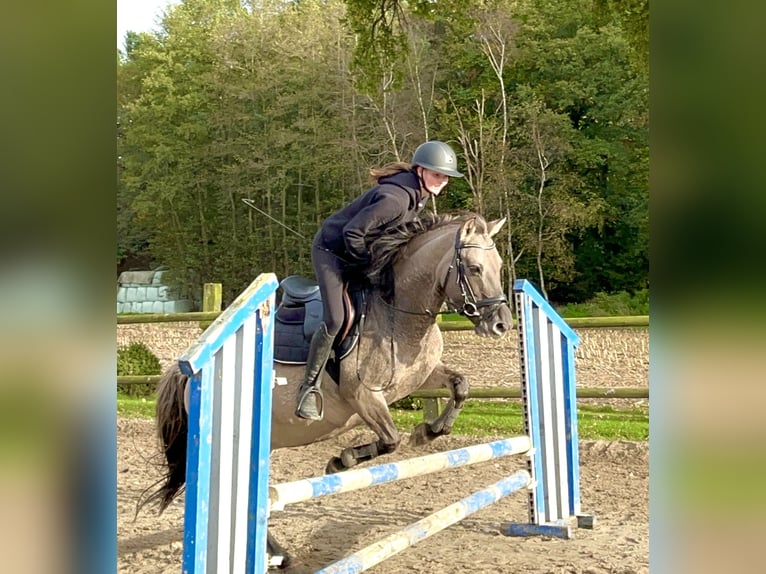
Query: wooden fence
[[459, 325], [478, 393]]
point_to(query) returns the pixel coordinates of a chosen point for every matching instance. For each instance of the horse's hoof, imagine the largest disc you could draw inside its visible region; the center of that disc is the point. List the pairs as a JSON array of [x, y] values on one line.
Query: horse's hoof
[[279, 561], [277, 555], [286, 560], [334, 465], [347, 458], [422, 434]]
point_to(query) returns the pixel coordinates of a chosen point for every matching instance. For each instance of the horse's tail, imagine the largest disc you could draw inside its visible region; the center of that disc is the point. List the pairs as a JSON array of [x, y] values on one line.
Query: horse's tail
[[172, 430]]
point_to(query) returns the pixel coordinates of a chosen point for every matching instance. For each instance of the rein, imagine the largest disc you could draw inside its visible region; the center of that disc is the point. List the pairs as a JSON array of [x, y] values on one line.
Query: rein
[[425, 313]]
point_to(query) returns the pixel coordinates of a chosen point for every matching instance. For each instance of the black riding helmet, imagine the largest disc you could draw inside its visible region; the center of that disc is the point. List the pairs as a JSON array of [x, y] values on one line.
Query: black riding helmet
[[436, 156]]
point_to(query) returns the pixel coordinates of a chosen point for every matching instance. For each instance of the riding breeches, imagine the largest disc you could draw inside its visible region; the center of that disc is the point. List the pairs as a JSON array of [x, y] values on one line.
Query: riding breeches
[[329, 273]]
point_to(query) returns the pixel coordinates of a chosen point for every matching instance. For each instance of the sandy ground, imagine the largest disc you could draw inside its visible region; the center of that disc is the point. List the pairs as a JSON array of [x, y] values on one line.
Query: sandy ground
[[614, 483]]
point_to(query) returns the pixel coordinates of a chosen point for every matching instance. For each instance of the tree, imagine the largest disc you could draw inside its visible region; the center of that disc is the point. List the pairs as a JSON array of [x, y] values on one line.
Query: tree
[[168, 169], [134, 234], [581, 67], [279, 104], [549, 200]]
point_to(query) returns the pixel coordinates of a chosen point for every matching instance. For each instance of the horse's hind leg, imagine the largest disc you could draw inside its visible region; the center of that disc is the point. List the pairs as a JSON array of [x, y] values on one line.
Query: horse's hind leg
[[442, 376], [373, 409]]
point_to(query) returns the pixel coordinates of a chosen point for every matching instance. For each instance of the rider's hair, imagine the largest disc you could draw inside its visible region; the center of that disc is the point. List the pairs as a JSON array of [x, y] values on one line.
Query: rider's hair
[[387, 170]]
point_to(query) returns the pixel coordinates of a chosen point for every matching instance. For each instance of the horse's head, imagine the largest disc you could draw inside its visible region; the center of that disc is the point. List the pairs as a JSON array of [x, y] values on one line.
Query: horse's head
[[474, 285], [466, 271]]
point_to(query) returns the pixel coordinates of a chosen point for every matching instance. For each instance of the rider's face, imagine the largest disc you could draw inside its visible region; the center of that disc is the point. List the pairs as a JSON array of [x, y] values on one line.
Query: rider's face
[[433, 181]]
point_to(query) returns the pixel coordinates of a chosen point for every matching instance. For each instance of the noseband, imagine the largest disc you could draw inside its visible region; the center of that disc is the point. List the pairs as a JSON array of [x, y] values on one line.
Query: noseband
[[471, 307]]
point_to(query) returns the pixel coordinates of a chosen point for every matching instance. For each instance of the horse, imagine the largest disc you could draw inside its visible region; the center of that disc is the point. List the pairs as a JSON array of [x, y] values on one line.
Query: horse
[[415, 270]]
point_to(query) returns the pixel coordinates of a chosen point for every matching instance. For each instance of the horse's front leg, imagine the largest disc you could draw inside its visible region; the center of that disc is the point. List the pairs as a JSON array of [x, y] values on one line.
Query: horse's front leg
[[372, 408], [442, 377]]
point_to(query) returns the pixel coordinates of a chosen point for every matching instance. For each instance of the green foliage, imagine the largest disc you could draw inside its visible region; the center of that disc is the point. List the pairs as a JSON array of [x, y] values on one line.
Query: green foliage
[[609, 305], [408, 403], [633, 18], [288, 105], [578, 65], [137, 359], [384, 30]]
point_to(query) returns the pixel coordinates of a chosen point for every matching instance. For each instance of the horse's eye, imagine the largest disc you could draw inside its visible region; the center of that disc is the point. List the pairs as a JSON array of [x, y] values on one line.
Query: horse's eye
[[474, 269]]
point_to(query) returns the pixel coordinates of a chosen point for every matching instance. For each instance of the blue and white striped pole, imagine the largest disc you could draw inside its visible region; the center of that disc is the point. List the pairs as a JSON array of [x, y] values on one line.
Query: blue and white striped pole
[[375, 553], [286, 493]]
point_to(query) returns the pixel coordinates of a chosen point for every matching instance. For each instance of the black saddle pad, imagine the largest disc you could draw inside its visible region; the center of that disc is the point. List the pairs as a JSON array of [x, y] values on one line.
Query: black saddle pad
[[298, 316]]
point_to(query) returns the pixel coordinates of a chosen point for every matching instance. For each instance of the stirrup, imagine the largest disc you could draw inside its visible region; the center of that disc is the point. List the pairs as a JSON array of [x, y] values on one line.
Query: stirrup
[[312, 410]]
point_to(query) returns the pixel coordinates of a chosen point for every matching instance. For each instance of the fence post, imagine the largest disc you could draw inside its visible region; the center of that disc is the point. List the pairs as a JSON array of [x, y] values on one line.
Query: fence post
[[211, 301], [432, 408]]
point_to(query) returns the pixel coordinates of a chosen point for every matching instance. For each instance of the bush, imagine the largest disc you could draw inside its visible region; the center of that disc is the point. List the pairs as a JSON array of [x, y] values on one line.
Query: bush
[[610, 305], [408, 403], [137, 359]]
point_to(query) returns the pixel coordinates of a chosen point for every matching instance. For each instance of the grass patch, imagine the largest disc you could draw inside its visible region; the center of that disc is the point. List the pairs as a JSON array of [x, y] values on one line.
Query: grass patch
[[479, 418], [135, 407], [505, 418], [484, 418]]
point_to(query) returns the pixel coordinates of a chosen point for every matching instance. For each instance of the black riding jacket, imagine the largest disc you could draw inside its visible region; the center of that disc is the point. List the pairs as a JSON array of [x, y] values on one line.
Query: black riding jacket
[[393, 200]]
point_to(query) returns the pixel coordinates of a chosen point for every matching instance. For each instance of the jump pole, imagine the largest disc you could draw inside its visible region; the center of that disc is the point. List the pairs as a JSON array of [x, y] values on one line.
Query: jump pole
[[393, 544], [286, 493]]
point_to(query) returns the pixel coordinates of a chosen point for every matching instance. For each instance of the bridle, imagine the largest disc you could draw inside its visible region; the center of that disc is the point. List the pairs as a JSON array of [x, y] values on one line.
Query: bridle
[[471, 307]]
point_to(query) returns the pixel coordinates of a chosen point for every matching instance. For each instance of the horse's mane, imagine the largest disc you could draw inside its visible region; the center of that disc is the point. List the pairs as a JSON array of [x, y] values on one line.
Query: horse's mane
[[387, 248]]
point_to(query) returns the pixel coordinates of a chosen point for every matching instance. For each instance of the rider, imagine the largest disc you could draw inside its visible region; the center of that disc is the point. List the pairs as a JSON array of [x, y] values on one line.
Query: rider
[[341, 244]]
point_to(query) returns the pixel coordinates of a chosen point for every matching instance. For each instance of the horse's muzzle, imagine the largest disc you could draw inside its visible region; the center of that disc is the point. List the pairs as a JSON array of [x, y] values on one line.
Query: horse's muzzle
[[495, 321]]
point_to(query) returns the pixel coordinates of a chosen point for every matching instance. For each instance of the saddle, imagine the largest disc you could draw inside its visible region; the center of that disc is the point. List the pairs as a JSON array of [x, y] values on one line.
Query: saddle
[[299, 314]]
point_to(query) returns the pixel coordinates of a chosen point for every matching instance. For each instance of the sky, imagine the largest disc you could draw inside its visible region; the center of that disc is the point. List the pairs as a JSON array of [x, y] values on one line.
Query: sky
[[138, 16]]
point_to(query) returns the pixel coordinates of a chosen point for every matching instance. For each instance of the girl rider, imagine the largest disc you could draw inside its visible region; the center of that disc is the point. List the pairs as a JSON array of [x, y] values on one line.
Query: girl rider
[[341, 245]]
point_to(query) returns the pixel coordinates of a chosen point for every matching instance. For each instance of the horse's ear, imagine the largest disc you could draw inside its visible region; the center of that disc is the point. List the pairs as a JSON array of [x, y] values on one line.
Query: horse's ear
[[468, 229], [494, 226]]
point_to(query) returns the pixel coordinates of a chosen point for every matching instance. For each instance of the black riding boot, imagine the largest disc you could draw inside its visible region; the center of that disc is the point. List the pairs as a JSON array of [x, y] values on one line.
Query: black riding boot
[[310, 400]]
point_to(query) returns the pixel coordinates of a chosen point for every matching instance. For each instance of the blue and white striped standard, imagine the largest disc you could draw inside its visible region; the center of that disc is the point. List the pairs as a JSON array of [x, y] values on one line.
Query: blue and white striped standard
[[422, 529], [286, 493], [231, 370]]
